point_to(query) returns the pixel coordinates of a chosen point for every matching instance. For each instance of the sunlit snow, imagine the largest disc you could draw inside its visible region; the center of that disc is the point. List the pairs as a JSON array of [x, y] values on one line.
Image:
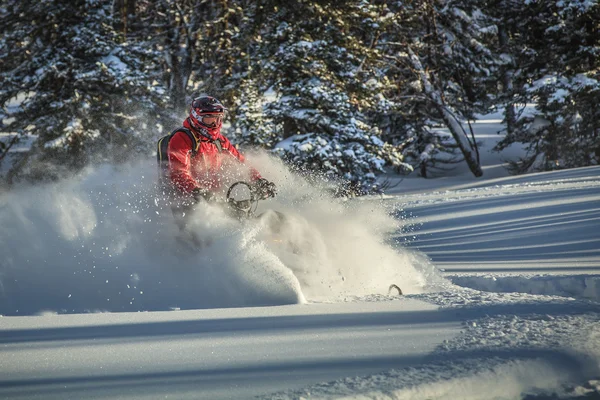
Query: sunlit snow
[[501, 277]]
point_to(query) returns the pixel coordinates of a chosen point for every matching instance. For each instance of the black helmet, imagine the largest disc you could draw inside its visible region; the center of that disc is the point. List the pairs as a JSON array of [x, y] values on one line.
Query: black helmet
[[206, 106]]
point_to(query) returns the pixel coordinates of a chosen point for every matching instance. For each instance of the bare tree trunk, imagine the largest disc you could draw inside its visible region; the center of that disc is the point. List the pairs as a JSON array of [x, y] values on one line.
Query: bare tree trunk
[[467, 148], [507, 81], [130, 7], [4, 150], [172, 54], [180, 54], [123, 12]]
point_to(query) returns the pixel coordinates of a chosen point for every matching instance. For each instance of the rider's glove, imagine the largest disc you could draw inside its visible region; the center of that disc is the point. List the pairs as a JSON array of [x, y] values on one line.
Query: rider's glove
[[200, 194], [264, 188]]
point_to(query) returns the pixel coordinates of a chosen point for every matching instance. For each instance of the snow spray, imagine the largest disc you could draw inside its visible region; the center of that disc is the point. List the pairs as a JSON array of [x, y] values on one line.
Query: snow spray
[[102, 242]]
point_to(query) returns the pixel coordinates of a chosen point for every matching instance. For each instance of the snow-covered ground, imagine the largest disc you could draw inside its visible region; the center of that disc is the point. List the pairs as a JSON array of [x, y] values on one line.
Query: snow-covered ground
[[501, 278]]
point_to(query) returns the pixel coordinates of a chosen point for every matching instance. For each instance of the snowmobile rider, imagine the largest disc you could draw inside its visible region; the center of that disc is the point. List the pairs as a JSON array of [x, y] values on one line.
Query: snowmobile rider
[[195, 174]]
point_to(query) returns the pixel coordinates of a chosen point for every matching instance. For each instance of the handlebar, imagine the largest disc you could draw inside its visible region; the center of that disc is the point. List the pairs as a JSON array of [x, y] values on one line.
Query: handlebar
[[246, 207], [242, 205]]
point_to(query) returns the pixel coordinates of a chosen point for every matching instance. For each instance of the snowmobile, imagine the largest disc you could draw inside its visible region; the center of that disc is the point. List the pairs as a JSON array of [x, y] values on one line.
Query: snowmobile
[[288, 233], [293, 239], [240, 203]]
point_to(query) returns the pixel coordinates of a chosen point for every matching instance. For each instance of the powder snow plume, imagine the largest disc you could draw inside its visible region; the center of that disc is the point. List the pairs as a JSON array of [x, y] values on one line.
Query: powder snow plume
[[102, 242]]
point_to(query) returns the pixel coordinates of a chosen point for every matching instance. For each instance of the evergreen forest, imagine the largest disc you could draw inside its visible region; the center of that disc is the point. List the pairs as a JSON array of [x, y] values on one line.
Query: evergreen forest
[[350, 89]]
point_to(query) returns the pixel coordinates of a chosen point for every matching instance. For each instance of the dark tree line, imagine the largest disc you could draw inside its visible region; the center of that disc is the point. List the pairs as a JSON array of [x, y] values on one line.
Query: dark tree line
[[349, 89]]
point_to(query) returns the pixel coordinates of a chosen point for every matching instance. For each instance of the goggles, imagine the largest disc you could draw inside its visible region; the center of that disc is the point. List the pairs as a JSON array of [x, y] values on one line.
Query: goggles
[[211, 120]]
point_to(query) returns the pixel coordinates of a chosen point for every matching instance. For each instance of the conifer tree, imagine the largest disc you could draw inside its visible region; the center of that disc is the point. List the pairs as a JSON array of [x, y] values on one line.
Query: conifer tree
[[347, 88], [251, 126], [439, 55], [317, 67], [73, 88], [559, 74]]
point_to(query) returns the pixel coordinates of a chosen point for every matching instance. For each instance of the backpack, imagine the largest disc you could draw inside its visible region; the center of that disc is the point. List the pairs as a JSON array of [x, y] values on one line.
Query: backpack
[[163, 144]]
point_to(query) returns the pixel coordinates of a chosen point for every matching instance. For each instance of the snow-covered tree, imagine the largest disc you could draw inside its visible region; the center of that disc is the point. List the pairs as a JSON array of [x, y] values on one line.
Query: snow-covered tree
[[347, 88], [558, 72], [318, 68], [440, 59], [70, 83], [251, 126]]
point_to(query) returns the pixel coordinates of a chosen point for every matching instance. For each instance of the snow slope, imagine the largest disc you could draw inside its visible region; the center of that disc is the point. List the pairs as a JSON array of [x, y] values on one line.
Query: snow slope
[[512, 312], [501, 236], [219, 353]]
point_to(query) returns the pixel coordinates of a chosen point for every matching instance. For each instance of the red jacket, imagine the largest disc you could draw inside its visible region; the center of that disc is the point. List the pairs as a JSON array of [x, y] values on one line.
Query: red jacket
[[207, 168]]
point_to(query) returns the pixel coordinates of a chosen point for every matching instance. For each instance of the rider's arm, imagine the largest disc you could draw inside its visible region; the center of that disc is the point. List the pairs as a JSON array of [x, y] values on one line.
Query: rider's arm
[[179, 151], [226, 145]]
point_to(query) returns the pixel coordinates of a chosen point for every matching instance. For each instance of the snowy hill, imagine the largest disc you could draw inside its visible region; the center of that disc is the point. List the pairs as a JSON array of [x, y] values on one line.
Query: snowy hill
[[501, 275]]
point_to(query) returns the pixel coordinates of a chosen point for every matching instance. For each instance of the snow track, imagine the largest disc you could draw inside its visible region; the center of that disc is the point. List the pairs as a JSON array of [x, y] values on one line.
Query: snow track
[[511, 346], [537, 234], [577, 286], [535, 375]]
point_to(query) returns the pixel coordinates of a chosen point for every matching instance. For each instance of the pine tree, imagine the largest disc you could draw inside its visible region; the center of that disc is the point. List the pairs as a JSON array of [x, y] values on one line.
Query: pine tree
[[251, 127], [559, 72], [350, 88], [441, 61], [75, 89], [317, 67]]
